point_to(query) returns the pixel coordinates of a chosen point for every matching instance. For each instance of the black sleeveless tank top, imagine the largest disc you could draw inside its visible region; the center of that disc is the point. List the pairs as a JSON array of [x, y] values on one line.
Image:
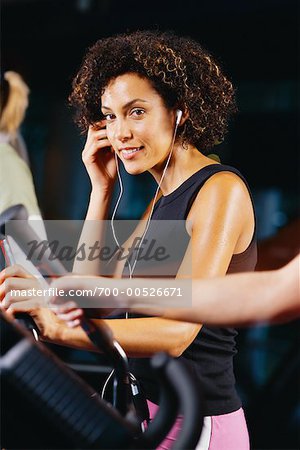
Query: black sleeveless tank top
[[210, 355]]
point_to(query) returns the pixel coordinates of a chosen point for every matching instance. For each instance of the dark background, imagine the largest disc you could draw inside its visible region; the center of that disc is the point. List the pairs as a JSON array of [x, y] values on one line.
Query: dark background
[[256, 43]]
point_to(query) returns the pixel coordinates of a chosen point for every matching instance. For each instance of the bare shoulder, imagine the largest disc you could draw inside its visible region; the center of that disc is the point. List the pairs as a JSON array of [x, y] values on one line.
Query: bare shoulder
[[224, 199], [223, 187], [227, 181]]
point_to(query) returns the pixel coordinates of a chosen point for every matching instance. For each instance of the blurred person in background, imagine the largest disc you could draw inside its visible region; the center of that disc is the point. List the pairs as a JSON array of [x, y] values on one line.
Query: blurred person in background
[[17, 193], [16, 183]]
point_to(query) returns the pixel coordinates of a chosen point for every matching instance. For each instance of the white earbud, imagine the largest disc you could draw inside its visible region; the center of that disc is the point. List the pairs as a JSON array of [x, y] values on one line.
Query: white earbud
[[178, 116]]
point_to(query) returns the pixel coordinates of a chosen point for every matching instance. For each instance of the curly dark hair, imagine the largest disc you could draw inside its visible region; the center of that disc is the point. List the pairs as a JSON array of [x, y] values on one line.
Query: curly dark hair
[[182, 72]]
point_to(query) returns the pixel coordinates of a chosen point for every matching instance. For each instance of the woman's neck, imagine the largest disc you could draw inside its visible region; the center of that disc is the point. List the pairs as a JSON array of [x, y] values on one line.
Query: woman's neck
[[183, 164]]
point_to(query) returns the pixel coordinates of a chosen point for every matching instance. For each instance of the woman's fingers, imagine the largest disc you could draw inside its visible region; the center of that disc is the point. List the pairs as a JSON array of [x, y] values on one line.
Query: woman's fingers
[[73, 323], [25, 306], [96, 137], [19, 288], [96, 134], [14, 271], [98, 125], [99, 134], [64, 307], [98, 157], [93, 147], [90, 155], [69, 313], [22, 305]]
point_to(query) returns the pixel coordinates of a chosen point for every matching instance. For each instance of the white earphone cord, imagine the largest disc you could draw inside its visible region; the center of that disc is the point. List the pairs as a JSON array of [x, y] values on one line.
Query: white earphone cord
[[147, 224], [153, 204]]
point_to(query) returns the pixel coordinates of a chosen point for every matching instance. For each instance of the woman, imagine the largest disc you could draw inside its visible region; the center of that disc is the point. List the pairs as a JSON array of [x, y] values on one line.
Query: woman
[[16, 183], [128, 94], [19, 188]]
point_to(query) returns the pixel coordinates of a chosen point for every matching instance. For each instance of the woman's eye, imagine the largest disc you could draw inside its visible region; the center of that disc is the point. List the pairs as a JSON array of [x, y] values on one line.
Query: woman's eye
[[109, 117], [137, 112]]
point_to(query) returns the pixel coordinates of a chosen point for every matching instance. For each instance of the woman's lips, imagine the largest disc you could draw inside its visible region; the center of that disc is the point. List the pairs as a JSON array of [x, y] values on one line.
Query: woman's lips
[[130, 153]]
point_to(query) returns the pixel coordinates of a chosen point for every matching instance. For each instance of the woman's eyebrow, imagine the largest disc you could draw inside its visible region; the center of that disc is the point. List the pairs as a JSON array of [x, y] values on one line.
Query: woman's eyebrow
[[127, 105]]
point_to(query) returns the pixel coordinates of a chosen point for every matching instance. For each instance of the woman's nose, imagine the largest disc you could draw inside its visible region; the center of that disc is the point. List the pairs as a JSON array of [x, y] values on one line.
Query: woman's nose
[[123, 131]]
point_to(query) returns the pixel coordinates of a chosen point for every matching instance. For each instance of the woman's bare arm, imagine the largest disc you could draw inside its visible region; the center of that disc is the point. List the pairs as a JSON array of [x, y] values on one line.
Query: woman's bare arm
[[239, 299], [210, 254]]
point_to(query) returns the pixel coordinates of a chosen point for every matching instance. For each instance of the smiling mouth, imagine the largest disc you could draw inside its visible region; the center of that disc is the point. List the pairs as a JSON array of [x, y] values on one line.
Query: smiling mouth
[[128, 153]]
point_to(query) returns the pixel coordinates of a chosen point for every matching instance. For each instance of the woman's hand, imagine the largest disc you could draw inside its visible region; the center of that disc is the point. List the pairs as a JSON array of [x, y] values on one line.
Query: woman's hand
[[99, 159], [15, 279], [19, 290], [69, 313]]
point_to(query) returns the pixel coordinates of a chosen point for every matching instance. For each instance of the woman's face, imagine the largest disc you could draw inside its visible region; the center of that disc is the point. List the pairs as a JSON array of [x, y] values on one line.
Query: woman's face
[[139, 126]]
